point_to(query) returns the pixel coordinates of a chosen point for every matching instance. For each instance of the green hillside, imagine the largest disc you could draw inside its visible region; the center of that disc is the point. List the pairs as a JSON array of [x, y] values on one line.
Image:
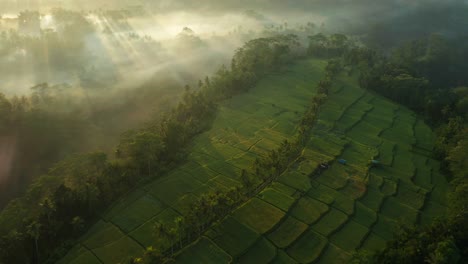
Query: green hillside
[[305, 215]]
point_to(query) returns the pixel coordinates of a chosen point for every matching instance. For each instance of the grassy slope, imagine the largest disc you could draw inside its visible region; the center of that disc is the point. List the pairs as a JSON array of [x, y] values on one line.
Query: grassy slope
[[306, 217]]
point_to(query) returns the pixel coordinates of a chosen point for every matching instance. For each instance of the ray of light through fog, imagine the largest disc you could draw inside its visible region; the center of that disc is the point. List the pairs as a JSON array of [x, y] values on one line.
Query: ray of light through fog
[[131, 50]]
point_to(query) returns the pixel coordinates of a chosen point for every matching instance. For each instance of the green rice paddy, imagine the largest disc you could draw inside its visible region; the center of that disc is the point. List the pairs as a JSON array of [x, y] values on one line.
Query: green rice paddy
[[303, 216]]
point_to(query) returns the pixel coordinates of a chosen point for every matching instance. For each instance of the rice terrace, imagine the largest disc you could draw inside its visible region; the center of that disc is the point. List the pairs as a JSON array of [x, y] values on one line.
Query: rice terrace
[[212, 132], [305, 215]]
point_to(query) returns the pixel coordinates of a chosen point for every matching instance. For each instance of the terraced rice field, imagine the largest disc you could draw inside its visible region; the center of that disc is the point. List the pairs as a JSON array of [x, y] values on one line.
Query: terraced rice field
[[304, 216], [327, 216], [247, 126]]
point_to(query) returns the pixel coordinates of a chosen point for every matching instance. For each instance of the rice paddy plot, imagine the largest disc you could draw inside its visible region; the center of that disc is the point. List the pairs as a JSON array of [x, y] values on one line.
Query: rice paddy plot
[[287, 232], [322, 193], [170, 188], [336, 176], [350, 236], [368, 97], [358, 157], [330, 222], [401, 133], [441, 187], [386, 172], [138, 213], [355, 189], [167, 217], [267, 133], [380, 117], [232, 237], [394, 209], [79, 255], [201, 173], [222, 182], [283, 258], [243, 161], [119, 251], [386, 152], [85, 258], [334, 255], [225, 169], [373, 199], [283, 188], [406, 115], [328, 141], [423, 172], [373, 242], [310, 154], [102, 233], [308, 247], [246, 144], [122, 203], [375, 181], [424, 135], [389, 187], [366, 133], [288, 103], [147, 235], [278, 199], [259, 215], [309, 210], [385, 106], [185, 202], [385, 227], [432, 210], [349, 119], [216, 150], [295, 180], [403, 163], [201, 158], [287, 123], [349, 96], [362, 104], [330, 112], [264, 146], [203, 251], [344, 203], [364, 215], [308, 166], [260, 252], [250, 127], [411, 195], [238, 106], [225, 122]]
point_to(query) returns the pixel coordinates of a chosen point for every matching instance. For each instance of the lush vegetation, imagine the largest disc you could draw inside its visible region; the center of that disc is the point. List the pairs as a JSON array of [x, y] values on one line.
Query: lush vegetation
[[60, 204], [263, 162]]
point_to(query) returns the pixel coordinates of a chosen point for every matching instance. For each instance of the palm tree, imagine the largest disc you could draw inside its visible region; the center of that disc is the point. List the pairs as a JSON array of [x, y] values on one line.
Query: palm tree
[[34, 230], [172, 234], [180, 222]]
